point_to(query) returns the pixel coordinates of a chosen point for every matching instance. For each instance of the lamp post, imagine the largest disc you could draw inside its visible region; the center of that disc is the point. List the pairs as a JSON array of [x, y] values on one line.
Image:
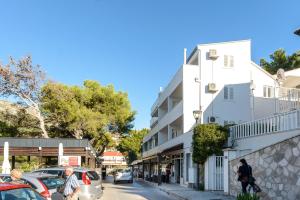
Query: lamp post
[[197, 115]]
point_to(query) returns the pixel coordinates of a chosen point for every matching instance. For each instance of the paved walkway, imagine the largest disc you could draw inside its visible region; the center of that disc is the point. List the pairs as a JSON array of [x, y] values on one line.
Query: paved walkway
[[184, 193]]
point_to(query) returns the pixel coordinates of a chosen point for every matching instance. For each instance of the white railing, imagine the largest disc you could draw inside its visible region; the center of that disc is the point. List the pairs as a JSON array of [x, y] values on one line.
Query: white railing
[[288, 99], [153, 121], [277, 123]]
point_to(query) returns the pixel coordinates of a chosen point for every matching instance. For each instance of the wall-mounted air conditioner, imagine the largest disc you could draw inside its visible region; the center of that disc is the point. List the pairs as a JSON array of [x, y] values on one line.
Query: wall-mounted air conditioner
[[212, 87], [211, 119], [212, 54]]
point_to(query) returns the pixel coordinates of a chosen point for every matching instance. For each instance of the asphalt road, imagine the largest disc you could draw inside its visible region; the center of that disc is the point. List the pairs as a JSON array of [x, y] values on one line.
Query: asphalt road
[[138, 190]]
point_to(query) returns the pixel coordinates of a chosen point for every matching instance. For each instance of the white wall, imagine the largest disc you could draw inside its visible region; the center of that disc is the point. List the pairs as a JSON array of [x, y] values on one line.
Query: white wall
[[250, 144], [190, 95]]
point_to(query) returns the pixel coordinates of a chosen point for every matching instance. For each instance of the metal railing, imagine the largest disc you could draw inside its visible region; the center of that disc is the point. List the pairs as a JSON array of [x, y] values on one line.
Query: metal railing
[[277, 123], [288, 99]]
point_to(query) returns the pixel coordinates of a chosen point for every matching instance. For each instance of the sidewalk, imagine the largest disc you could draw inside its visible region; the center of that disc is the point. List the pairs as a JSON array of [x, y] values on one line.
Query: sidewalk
[[183, 193]]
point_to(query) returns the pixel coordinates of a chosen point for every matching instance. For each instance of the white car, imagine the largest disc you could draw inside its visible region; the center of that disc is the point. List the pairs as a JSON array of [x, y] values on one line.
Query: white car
[[123, 175]]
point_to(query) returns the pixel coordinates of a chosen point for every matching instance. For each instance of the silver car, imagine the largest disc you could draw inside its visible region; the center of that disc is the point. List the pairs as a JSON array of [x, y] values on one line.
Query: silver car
[[45, 184], [89, 180], [123, 175]]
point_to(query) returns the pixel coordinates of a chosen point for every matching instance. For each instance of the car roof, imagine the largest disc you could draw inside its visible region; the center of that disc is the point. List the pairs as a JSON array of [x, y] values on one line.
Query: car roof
[[38, 175], [78, 169], [10, 186]]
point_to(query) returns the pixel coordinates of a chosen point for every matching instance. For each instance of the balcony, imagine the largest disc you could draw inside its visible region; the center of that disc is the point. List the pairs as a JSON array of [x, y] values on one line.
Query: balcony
[[153, 122], [185, 138]]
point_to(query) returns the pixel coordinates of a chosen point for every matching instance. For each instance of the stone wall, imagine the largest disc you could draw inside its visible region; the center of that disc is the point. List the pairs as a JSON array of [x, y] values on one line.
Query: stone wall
[[276, 169]]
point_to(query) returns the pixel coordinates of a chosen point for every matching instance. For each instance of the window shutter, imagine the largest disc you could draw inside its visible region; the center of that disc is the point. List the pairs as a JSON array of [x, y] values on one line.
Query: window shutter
[[225, 60], [231, 61], [231, 93], [225, 92]]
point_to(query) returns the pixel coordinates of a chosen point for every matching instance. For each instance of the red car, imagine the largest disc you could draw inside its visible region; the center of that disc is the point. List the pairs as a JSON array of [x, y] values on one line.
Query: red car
[[9, 191]]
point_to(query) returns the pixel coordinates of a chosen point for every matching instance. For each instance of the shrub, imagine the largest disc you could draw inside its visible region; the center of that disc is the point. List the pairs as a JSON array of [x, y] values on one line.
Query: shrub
[[208, 139], [247, 197], [29, 166]]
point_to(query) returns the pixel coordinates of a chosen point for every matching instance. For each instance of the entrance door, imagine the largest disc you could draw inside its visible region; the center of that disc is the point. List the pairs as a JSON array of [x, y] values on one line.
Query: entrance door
[[215, 173]]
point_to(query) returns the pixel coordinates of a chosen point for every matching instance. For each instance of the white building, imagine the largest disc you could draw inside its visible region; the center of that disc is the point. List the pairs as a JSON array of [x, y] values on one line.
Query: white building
[[221, 81], [113, 159]]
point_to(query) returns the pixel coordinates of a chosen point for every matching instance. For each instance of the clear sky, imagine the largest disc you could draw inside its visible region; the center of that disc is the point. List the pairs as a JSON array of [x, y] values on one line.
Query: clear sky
[[137, 45]]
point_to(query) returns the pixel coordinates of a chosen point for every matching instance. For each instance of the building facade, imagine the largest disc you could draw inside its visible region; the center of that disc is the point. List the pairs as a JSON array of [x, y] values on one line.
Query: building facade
[[220, 81]]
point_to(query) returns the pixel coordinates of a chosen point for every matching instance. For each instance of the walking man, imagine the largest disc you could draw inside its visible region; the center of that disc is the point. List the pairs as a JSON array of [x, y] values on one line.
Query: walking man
[[72, 187]]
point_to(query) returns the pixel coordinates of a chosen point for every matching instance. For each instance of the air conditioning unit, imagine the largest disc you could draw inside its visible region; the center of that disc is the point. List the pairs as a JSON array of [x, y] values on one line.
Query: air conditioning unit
[[212, 87], [211, 119], [212, 54]]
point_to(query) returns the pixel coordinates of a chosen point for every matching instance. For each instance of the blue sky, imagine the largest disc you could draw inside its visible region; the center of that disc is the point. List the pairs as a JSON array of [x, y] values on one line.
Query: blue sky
[[137, 45]]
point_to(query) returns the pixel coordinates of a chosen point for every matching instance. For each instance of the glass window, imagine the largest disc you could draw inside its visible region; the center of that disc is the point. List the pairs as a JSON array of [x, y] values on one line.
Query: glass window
[[268, 91], [228, 93], [52, 182], [22, 193], [93, 175], [228, 61]]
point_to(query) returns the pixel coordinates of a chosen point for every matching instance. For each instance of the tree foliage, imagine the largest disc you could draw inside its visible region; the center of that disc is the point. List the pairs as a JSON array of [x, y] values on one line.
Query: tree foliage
[[18, 124], [22, 80], [131, 144], [208, 139], [92, 111], [279, 59]]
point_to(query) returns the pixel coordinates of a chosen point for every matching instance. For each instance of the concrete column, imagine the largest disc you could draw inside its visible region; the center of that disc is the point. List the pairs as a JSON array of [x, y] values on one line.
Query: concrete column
[[159, 158], [229, 154], [13, 162], [143, 176], [150, 169], [226, 171]]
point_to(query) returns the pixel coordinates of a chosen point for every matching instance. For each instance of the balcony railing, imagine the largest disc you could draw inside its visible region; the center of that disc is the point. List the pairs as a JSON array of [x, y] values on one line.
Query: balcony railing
[[153, 121], [288, 99], [277, 123]]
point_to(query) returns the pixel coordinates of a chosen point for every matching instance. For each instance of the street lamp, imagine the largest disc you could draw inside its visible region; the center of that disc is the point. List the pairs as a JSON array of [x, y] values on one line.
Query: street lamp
[[297, 32], [197, 115]]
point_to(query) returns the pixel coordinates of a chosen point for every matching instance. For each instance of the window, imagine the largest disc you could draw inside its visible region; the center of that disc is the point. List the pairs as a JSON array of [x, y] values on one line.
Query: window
[[228, 93], [228, 61], [268, 91]]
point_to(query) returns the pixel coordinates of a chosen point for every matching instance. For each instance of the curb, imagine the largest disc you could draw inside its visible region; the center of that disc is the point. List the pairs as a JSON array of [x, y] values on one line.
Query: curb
[[178, 197]]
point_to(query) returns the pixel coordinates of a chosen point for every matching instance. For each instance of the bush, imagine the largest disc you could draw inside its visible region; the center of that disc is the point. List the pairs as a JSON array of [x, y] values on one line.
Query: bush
[[208, 139], [29, 166], [247, 197]]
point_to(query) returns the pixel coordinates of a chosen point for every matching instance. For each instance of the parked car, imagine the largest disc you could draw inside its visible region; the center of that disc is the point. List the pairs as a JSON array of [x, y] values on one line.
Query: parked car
[[89, 180], [45, 184], [10, 191], [123, 175]]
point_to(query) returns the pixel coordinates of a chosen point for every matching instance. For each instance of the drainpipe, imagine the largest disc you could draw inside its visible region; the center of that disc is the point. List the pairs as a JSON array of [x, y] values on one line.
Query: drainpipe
[[184, 56]]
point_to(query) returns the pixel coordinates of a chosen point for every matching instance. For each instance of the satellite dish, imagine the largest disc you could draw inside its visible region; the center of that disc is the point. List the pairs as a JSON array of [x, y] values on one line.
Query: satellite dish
[[280, 75]]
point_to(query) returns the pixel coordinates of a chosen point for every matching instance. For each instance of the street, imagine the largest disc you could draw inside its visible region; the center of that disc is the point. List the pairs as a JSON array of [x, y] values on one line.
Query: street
[[136, 191]]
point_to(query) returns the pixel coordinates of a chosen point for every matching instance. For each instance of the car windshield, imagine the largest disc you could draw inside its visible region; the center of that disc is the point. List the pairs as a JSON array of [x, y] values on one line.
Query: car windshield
[[93, 175], [126, 170], [20, 194], [52, 182]]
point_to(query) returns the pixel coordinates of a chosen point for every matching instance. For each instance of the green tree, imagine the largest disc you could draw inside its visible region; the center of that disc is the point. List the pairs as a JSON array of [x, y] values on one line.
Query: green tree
[[208, 139], [18, 123], [279, 59], [131, 144], [22, 80], [92, 111]]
